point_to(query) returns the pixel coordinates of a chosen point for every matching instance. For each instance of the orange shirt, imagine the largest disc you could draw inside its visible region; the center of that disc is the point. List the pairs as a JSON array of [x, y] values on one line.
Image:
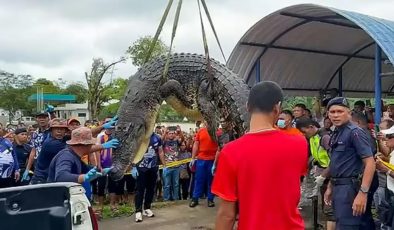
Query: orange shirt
[[207, 147], [292, 131]]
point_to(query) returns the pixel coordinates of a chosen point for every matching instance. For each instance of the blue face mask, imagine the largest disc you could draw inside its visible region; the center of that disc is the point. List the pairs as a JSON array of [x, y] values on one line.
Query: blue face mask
[[281, 124]]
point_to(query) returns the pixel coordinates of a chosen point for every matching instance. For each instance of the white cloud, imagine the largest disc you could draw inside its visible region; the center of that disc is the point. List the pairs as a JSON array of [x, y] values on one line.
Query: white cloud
[[55, 39]]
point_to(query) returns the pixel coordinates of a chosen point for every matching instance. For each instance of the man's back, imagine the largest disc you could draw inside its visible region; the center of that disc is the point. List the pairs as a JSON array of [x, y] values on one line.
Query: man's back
[[50, 148], [261, 171]]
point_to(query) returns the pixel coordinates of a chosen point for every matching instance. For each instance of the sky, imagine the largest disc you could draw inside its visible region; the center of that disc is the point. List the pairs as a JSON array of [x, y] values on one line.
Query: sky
[[58, 39]]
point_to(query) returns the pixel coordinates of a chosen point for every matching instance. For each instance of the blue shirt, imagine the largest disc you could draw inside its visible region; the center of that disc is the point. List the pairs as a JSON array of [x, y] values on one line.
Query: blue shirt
[[8, 159], [22, 154], [349, 146], [66, 167], [150, 157], [50, 148], [38, 139]]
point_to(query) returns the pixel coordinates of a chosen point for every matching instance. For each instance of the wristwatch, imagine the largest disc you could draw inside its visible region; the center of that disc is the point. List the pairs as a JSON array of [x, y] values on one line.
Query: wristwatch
[[364, 190]]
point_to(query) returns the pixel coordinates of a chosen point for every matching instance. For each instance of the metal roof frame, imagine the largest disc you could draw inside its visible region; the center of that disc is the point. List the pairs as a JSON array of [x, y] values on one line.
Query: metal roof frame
[[257, 45]]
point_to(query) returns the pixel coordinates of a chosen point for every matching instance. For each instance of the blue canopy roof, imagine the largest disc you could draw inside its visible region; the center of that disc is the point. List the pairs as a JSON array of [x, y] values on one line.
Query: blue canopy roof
[[54, 98], [304, 47]]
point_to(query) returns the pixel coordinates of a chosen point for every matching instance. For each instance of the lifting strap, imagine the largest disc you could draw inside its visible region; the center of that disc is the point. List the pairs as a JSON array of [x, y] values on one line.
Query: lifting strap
[[174, 27], [158, 31], [213, 28], [204, 39]]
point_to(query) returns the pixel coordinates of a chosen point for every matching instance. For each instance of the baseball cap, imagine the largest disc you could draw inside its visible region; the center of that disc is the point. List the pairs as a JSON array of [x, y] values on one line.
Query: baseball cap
[[341, 101], [20, 130], [42, 113], [73, 119]]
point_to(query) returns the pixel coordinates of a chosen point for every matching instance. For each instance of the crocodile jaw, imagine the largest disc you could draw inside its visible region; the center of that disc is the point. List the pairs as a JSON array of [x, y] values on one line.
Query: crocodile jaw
[[176, 104]]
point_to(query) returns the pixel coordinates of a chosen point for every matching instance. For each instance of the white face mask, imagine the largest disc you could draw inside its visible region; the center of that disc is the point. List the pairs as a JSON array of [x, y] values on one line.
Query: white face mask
[[281, 123]]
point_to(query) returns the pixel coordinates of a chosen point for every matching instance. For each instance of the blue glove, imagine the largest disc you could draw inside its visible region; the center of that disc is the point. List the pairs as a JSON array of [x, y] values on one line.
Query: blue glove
[[112, 144], [92, 174], [134, 172], [213, 169], [26, 176], [111, 124], [105, 171]]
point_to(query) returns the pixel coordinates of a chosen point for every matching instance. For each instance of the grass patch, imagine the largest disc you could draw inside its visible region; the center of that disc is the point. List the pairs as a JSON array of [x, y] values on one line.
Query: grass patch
[[128, 209]]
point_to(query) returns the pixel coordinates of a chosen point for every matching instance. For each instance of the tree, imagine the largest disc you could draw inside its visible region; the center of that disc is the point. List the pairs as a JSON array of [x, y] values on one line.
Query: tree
[[77, 89], [14, 91], [139, 50], [47, 86], [96, 88], [15, 81], [168, 114], [113, 92]]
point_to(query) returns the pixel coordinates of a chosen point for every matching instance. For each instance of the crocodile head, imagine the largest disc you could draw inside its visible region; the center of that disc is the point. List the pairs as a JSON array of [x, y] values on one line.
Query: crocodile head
[[137, 116]]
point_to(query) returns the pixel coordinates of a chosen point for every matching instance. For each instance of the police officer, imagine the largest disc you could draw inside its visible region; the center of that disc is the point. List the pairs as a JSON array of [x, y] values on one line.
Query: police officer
[[352, 170]]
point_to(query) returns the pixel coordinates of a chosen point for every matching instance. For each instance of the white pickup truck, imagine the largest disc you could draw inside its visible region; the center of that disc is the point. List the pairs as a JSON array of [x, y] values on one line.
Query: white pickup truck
[[54, 206]]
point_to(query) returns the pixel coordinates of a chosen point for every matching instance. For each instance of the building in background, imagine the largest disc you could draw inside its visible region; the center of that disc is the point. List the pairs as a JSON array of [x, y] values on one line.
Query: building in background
[[79, 111]]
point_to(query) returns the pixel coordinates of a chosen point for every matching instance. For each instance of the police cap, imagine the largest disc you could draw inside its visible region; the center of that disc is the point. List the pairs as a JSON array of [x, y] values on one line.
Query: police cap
[[341, 101]]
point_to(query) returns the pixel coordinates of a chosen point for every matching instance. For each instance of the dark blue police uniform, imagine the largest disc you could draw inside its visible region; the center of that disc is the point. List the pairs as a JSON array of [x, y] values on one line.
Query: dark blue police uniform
[[349, 146]]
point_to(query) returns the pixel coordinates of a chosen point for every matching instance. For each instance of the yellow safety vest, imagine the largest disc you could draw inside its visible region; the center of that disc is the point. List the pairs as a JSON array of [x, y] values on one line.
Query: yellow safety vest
[[318, 152]]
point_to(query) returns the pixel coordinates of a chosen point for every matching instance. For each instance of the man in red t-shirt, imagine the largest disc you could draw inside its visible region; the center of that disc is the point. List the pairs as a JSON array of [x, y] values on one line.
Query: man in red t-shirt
[[204, 149], [261, 170]]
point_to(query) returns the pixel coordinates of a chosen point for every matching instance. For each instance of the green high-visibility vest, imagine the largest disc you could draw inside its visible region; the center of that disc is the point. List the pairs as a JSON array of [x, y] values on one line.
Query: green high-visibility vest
[[318, 152]]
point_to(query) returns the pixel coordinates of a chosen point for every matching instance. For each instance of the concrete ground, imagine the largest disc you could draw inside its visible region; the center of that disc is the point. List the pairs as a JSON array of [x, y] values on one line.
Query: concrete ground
[[177, 217]]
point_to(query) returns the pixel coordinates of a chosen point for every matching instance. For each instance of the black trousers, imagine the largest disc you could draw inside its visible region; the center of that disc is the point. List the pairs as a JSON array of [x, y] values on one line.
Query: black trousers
[[7, 182], [185, 184], [112, 186], [146, 182], [94, 185], [130, 183]]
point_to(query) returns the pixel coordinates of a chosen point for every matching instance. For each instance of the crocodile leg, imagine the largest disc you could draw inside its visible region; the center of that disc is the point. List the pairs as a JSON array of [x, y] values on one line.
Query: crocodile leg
[[174, 88], [174, 94], [208, 108]]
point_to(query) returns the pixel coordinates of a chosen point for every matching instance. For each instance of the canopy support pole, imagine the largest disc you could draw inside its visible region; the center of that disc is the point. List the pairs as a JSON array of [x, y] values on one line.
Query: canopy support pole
[[378, 84], [257, 67], [340, 82]]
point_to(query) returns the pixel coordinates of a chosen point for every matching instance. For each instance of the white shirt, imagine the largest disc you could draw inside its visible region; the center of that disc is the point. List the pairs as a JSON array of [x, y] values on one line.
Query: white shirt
[[390, 180]]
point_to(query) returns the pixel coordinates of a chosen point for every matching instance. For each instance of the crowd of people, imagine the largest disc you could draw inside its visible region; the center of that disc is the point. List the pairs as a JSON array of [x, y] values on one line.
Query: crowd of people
[[59, 150], [342, 147]]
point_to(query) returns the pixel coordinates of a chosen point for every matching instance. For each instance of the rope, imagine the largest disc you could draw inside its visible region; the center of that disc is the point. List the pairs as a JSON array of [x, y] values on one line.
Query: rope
[[213, 28], [204, 38], [158, 31], [174, 27]]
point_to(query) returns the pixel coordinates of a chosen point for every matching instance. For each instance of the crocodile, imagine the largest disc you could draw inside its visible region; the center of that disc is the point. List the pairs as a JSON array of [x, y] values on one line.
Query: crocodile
[[195, 89]]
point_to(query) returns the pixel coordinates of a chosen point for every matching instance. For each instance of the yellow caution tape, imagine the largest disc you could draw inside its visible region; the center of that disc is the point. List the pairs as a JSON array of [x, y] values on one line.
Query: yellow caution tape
[[171, 164], [388, 165], [176, 163]]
